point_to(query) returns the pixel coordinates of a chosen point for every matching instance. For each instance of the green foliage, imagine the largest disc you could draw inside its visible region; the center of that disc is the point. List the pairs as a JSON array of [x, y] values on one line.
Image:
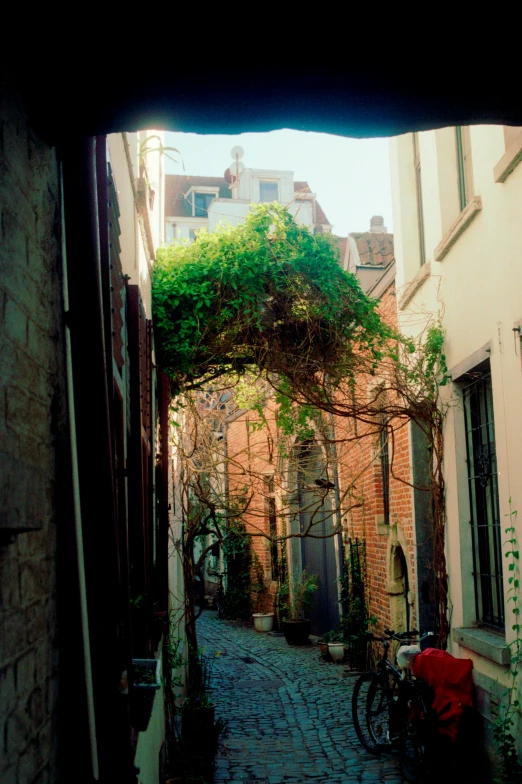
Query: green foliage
[[237, 549], [509, 716], [429, 368], [334, 635], [146, 147], [260, 588], [294, 420], [299, 594], [267, 293]]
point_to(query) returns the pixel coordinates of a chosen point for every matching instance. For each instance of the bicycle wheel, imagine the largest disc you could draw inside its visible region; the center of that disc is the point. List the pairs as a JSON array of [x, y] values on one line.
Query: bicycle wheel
[[413, 738], [373, 705]]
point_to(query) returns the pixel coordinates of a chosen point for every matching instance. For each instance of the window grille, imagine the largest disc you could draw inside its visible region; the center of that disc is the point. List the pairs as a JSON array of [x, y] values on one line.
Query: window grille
[[483, 494]]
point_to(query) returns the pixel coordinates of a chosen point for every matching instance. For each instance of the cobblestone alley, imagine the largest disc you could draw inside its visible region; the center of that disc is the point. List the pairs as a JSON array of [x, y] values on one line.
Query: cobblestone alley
[[288, 712]]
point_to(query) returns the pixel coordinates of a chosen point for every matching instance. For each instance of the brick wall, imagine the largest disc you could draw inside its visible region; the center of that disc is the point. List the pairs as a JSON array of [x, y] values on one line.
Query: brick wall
[[359, 463], [251, 459], [32, 429]]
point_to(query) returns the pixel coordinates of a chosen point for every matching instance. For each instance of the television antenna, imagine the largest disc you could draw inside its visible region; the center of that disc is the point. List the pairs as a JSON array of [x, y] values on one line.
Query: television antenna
[[238, 166]]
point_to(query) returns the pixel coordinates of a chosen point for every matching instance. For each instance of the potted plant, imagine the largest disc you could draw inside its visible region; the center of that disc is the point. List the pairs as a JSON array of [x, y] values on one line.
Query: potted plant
[[333, 645], [334, 640], [356, 619], [263, 602], [198, 711], [146, 683], [296, 627]]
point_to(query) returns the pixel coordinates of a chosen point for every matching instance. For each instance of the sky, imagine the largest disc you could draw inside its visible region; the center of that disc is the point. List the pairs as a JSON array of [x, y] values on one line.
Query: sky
[[351, 177]]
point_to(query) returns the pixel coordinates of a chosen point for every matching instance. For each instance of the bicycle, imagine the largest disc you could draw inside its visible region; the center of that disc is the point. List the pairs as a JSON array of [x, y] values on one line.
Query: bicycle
[[391, 710]]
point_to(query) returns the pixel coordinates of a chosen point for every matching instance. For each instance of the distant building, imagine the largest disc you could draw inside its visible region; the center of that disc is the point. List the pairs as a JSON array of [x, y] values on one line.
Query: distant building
[[193, 203]]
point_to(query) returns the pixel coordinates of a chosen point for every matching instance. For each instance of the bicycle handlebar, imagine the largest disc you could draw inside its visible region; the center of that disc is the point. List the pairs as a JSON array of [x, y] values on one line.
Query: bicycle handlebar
[[401, 635]]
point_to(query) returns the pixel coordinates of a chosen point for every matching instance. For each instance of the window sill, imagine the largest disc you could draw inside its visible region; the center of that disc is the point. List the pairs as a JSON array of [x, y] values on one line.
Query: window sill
[[509, 160], [383, 529], [485, 642], [458, 228], [414, 285]]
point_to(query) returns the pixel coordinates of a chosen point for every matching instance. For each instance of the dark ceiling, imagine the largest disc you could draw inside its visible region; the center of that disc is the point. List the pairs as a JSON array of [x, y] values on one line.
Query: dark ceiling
[[382, 97]]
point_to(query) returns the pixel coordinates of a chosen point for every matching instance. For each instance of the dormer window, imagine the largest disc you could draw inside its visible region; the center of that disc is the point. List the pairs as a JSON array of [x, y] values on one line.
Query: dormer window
[[202, 203], [268, 190]]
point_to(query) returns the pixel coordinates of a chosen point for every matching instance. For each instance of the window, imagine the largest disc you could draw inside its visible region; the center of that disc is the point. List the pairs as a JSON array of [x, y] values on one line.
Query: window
[[202, 203], [268, 190], [385, 469], [418, 189], [464, 168], [483, 497]]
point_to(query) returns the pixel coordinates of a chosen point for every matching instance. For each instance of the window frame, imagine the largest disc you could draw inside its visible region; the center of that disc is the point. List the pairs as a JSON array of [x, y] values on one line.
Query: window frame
[[268, 182], [195, 208], [464, 165]]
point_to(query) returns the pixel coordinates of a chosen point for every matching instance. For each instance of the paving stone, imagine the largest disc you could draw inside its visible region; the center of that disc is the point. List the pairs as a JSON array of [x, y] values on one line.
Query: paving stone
[[288, 712]]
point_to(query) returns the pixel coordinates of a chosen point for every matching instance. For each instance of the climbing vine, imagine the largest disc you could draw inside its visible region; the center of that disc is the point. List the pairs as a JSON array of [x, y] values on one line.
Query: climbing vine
[[509, 715], [266, 294]]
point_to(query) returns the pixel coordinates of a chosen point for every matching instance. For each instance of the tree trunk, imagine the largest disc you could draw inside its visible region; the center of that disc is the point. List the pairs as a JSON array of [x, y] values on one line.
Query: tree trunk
[[194, 665]]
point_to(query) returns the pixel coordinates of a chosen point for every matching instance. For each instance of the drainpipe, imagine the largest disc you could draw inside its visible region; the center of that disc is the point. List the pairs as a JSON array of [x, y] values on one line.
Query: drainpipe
[[77, 507]]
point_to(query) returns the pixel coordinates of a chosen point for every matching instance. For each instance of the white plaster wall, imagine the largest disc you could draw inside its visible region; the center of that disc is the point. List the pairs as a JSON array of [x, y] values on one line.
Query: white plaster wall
[[155, 163], [128, 219], [477, 289], [227, 211], [150, 742], [183, 228], [302, 211], [134, 257], [249, 184]]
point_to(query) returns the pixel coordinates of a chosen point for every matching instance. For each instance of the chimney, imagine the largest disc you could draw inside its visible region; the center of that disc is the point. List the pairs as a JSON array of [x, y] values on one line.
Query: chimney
[[377, 225]]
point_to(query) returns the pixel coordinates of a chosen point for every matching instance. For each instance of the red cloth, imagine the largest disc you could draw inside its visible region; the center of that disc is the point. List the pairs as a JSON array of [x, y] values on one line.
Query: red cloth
[[452, 683]]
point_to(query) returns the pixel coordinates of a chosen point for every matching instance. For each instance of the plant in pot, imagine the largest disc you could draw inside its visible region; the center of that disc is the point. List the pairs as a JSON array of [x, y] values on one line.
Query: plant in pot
[[263, 603], [333, 645], [296, 627], [198, 710], [146, 682], [356, 619]]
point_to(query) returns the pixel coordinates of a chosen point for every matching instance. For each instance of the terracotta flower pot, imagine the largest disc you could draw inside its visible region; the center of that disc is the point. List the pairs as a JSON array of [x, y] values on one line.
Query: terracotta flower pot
[[323, 647]]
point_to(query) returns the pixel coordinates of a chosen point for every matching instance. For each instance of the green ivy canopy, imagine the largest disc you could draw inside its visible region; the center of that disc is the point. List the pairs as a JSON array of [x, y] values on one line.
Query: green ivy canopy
[[267, 294]]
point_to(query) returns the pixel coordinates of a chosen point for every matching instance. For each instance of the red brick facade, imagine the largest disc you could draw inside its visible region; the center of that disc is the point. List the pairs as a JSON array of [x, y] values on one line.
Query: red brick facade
[[253, 456]]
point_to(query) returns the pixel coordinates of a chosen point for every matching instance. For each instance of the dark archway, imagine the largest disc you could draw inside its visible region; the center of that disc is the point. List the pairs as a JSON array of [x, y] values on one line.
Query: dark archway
[[317, 554], [399, 605]]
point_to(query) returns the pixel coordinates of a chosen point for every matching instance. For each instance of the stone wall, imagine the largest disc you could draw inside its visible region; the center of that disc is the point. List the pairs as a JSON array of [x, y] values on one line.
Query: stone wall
[[32, 429]]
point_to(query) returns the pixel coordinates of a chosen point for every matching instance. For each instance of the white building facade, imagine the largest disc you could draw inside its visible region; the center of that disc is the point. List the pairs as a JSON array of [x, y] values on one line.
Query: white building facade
[[457, 195], [194, 203]]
